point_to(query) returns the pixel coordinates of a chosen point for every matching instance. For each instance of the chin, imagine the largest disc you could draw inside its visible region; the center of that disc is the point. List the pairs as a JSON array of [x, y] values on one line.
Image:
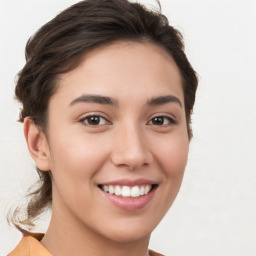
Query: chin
[[128, 230], [130, 236]]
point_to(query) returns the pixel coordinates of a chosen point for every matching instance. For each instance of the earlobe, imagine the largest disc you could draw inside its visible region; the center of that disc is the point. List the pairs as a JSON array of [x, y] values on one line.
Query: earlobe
[[37, 144]]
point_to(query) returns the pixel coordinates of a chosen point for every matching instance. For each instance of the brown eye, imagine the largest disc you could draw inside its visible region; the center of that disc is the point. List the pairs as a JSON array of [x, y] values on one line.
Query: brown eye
[[94, 120], [158, 120], [161, 121]]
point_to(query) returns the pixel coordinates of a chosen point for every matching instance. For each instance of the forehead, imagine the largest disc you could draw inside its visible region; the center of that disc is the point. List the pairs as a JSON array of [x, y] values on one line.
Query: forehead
[[128, 67]]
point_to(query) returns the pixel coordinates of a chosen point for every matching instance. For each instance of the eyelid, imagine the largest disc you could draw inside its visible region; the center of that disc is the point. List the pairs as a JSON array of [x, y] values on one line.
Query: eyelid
[[170, 118], [100, 115]]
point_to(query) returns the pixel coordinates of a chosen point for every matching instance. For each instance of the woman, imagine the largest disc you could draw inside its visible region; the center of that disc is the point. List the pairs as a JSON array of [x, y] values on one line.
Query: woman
[[107, 95]]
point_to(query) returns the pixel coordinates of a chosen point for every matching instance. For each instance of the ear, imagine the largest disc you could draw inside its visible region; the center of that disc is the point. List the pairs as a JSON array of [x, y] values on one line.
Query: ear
[[37, 145]]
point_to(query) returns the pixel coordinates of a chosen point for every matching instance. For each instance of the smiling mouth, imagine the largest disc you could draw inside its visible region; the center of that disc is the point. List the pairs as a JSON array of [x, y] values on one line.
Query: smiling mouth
[[128, 191]]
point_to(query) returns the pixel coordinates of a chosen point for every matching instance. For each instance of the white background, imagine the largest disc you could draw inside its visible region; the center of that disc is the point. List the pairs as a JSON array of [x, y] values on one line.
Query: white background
[[215, 212]]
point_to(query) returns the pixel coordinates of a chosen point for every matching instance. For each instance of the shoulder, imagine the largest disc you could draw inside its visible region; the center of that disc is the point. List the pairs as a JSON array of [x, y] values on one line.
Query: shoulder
[[29, 246], [152, 253]]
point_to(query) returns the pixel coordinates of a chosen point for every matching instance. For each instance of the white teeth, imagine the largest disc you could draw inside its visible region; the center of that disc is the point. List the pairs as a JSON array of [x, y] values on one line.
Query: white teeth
[[147, 189], [105, 188], [126, 191], [135, 191], [118, 191], [111, 190], [142, 191]]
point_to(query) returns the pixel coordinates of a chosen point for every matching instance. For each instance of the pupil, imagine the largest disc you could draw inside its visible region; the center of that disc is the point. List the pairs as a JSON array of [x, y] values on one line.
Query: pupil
[[94, 120], [158, 120]]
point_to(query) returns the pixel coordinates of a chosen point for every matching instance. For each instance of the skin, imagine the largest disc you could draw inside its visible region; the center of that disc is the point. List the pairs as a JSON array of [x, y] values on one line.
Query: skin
[[128, 143]]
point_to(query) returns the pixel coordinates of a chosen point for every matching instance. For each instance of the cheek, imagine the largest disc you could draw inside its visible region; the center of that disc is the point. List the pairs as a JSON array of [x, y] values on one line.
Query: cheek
[[74, 164], [173, 155], [76, 157], [171, 158]]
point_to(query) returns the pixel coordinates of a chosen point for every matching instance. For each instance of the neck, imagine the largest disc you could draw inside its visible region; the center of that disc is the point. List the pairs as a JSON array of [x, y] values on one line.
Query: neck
[[70, 237]]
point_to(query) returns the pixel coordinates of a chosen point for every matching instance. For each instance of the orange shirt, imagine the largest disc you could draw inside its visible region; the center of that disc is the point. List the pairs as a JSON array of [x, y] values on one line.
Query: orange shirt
[[30, 246]]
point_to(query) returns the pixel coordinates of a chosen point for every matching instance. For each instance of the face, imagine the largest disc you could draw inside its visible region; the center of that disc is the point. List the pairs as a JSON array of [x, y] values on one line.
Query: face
[[118, 141]]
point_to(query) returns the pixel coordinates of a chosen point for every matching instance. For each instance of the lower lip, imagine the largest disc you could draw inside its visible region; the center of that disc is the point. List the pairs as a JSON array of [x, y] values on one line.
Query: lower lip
[[129, 203]]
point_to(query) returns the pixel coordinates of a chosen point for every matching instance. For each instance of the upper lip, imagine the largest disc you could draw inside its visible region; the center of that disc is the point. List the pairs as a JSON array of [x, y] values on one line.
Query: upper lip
[[130, 182]]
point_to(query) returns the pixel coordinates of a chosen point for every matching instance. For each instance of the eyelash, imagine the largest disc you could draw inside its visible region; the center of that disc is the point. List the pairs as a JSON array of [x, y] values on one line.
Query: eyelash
[[166, 121], [85, 121]]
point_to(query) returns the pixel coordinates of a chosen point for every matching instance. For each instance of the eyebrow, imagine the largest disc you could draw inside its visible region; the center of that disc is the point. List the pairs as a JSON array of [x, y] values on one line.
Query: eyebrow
[[103, 100], [164, 100]]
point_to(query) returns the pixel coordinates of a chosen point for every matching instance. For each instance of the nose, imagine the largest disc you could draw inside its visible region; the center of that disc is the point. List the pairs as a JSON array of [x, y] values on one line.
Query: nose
[[130, 148]]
